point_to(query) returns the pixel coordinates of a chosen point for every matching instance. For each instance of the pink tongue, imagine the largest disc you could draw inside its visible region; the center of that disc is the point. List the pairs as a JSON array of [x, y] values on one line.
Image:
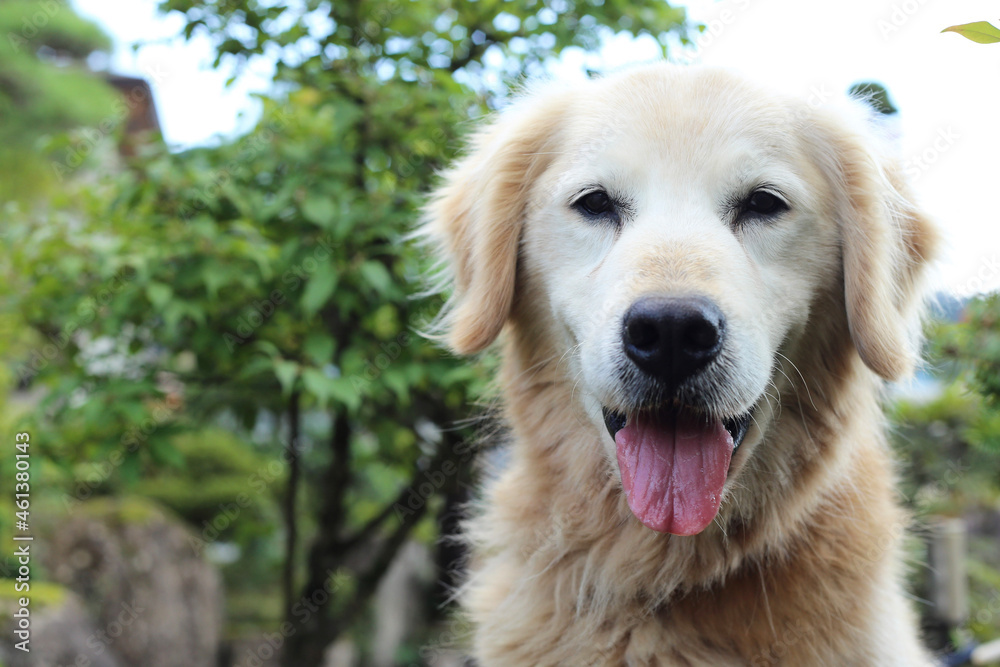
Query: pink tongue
[[673, 469]]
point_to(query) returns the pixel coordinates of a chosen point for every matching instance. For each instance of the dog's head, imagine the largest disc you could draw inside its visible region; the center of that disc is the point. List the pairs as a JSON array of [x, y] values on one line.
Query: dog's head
[[672, 234]]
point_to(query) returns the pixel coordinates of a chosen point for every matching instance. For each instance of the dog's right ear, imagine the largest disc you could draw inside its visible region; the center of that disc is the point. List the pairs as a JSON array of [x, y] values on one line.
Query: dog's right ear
[[887, 241], [475, 217]]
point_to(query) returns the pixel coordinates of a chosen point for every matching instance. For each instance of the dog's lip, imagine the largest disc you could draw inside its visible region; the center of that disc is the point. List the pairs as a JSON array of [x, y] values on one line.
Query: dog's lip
[[737, 426]]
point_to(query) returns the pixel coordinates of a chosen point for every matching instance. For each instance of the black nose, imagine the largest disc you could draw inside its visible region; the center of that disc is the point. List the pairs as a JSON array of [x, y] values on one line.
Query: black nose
[[672, 338]]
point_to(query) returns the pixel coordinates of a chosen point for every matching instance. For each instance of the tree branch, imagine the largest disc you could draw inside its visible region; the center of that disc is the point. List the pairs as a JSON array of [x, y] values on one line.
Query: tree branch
[[338, 476], [387, 550]]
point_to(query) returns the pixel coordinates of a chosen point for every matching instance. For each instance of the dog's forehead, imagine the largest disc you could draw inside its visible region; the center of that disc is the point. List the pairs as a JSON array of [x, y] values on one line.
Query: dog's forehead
[[688, 112]]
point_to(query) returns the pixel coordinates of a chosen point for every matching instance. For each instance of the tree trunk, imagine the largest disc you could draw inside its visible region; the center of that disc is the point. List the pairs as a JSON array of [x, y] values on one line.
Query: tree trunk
[[310, 612], [291, 494], [315, 621]]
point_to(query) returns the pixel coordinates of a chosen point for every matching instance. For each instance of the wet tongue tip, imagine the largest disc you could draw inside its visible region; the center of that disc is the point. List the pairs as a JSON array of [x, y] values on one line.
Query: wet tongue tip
[[673, 469]]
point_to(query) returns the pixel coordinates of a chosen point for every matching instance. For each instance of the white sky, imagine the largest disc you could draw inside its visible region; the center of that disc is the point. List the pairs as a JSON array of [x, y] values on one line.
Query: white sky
[[946, 87], [193, 103]]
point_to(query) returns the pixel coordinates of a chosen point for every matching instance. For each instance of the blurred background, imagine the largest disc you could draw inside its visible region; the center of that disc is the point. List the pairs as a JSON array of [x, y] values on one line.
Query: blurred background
[[242, 452]]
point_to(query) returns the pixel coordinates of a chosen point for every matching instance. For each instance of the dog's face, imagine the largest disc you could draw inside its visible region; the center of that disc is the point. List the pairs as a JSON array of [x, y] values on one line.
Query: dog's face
[[671, 233]]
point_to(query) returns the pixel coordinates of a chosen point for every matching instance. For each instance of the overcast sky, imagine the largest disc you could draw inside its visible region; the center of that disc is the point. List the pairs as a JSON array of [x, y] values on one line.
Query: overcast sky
[[946, 87]]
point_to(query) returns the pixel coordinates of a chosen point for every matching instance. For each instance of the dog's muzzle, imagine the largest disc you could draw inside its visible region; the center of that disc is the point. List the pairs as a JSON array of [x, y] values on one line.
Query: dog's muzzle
[[674, 451]]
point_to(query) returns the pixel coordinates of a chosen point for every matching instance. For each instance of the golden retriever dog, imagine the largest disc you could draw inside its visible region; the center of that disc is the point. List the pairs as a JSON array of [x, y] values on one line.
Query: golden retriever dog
[[701, 285]]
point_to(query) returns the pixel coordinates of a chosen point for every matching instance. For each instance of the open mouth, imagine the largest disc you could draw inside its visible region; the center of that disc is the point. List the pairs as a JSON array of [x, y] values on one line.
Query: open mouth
[[674, 463], [737, 426]]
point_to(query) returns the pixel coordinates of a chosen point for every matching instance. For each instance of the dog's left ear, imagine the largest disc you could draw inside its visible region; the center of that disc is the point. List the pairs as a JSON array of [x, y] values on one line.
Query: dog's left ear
[[475, 216], [886, 240]]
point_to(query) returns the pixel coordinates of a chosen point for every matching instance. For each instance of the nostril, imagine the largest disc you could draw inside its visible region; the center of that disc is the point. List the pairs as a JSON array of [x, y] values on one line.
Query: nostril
[[700, 335], [641, 333]]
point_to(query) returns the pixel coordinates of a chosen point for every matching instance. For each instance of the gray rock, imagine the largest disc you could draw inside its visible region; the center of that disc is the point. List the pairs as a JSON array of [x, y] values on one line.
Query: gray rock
[[62, 633], [153, 596]]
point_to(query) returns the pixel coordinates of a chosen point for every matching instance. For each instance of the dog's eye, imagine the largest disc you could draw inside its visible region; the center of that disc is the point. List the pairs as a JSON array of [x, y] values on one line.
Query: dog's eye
[[761, 204], [595, 203]]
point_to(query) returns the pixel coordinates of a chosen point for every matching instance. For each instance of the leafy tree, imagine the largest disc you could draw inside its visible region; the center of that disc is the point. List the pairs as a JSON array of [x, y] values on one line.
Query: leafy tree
[[950, 447], [264, 285], [45, 87], [972, 346]]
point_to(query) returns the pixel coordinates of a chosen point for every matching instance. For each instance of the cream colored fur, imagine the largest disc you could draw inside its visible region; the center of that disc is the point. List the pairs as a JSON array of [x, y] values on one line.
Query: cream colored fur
[[802, 564]]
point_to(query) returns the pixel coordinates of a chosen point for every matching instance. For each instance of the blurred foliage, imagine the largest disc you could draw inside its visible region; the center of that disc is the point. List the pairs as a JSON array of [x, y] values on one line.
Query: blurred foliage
[[973, 346], [45, 88], [219, 284], [317, 42], [183, 321], [224, 488], [949, 447]]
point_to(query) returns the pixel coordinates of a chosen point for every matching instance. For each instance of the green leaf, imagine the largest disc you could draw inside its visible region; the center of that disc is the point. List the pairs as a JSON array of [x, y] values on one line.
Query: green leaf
[[175, 311], [163, 451], [324, 388], [319, 210], [315, 382], [319, 347], [319, 288], [267, 347], [397, 382], [257, 366], [215, 276], [159, 294], [286, 372], [376, 275], [980, 32], [130, 470], [385, 322], [343, 390]]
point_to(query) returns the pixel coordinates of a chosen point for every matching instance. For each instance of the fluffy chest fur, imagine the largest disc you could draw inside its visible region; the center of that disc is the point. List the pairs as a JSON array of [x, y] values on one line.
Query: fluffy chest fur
[[803, 572]]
